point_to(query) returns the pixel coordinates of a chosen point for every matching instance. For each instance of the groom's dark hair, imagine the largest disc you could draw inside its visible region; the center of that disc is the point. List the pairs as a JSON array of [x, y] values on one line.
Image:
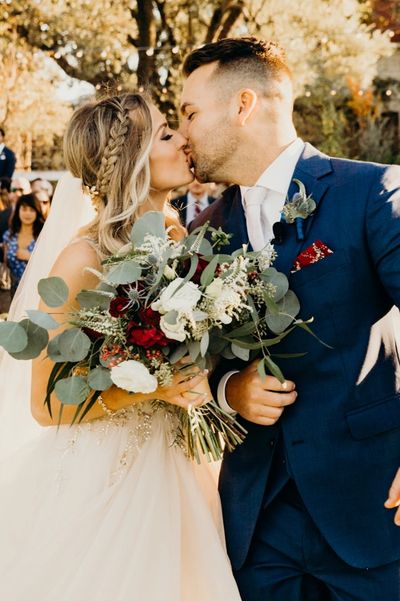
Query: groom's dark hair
[[245, 56]]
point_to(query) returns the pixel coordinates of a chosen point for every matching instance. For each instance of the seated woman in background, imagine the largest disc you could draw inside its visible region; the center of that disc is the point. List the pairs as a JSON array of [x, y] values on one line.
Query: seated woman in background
[[19, 240]]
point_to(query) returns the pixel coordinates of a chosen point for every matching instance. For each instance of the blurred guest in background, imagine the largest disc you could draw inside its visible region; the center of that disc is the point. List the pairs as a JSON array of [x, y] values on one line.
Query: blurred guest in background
[[196, 199], [19, 186], [42, 185], [44, 201], [7, 157], [19, 240], [5, 210]]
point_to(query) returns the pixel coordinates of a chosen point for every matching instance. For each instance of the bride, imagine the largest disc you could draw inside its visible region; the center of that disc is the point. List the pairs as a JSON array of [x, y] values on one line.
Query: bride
[[107, 510]]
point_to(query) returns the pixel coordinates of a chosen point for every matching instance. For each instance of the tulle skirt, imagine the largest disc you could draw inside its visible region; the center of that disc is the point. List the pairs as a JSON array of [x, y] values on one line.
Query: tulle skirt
[[111, 511]]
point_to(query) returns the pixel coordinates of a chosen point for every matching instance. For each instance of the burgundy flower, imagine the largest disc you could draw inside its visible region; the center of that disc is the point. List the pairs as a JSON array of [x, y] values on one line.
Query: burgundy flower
[[118, 306], [93, 335], [149, 317], [201, 265], [145, 337]]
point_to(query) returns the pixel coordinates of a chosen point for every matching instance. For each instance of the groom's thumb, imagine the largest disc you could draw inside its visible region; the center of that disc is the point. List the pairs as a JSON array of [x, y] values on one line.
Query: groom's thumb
[[393, 499]]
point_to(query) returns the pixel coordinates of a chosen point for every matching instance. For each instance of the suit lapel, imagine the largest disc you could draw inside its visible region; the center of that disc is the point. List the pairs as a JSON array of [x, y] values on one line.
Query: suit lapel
[[311, 169], [234, 222]]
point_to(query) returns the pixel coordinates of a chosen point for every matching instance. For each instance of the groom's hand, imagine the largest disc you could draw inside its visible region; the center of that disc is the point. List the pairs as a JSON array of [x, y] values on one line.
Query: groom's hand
[[259, 401], [394, 497]]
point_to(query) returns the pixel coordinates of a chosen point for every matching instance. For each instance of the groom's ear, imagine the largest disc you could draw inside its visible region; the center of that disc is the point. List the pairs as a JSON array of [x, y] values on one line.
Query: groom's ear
[[246, 103]]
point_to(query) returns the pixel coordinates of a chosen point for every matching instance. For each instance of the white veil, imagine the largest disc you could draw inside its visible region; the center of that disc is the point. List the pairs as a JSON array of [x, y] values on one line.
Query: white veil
[[70, 211]]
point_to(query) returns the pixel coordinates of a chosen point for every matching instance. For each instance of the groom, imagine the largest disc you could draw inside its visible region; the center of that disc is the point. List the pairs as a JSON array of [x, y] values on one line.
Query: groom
[[303, 497]]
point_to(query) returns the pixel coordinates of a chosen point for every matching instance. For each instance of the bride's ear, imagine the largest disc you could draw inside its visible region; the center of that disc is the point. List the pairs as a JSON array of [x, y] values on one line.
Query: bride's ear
[[246, 103]]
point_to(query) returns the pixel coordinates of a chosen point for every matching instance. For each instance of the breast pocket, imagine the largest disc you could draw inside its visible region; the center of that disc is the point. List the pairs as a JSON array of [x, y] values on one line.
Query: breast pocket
[[329, 264]]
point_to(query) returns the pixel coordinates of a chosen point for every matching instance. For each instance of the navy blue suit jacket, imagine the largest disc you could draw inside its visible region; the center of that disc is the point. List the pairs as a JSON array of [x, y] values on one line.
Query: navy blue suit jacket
[[7, 163], [342, 436]]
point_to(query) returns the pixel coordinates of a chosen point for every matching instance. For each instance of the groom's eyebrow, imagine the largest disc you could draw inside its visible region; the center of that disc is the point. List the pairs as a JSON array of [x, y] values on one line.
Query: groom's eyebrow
[[184, 106]]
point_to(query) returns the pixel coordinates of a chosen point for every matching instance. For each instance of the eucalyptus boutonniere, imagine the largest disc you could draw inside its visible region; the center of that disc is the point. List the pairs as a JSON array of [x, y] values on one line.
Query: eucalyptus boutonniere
[[299, 208]]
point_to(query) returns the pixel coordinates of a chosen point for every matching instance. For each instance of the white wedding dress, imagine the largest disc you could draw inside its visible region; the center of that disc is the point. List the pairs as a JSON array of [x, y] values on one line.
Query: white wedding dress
[[109, 510]]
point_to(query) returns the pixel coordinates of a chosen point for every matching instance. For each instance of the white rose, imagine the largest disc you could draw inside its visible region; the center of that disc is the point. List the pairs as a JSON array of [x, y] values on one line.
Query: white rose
[[133, 376], [174, 331], [215, 288], [182, 300]]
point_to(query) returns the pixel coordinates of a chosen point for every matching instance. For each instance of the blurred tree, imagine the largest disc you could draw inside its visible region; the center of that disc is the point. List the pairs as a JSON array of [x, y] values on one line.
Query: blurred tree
[[142, 43]]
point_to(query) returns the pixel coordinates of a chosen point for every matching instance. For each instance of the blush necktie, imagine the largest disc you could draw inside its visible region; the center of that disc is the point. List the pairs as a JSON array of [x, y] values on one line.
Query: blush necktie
[[258, 227]]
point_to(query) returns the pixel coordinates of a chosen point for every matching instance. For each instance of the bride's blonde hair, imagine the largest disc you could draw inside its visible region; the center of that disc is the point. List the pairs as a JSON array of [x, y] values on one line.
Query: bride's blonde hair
[[107, 145]]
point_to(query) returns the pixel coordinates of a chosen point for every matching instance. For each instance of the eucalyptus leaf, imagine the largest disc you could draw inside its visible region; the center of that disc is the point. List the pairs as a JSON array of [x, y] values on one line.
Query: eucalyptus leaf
[[274, 369], [240, 352], [42, 319], [53, 291], [204, 342], [261, 369], [89, 299], [72, 391], [208, 273], [277, 279], [227, 353], [38, 338], [289, 307], [74, 345], [99, 379], [13, 337], [194, 350], [152, 222], [178, 354], [53, 350], [126, 272]]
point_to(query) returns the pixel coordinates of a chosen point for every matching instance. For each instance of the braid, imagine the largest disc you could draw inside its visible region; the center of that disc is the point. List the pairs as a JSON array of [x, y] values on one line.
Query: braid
[[112, 151]]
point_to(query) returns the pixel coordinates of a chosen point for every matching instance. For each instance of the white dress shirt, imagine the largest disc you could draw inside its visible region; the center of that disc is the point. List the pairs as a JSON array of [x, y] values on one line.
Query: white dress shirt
[[191, 203], [276, 179]]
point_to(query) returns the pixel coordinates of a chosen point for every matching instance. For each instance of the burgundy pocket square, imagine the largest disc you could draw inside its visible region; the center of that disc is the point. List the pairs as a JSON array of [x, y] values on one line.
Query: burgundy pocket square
[[314, 253]]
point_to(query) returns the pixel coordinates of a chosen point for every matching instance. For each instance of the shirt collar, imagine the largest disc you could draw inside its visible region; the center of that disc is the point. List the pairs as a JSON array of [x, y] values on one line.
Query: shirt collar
[[203, 201], [278, 174], [2, 146]]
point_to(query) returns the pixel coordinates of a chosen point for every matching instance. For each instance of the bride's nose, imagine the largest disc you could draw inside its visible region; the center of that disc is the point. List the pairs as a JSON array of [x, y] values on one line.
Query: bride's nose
[[181, 140]]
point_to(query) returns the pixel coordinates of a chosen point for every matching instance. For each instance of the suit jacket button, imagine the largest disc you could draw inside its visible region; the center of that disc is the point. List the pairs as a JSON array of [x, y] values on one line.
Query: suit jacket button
[[271, 443]]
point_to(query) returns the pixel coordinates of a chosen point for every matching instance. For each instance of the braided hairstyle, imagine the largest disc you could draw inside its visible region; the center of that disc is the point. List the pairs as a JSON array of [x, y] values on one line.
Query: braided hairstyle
[[107, 145]]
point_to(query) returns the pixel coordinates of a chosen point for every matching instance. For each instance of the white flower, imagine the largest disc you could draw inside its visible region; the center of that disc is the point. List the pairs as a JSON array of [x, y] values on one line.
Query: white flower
[[182, 300], [174, 331], [169, 272], [214, 289], [134, 377]]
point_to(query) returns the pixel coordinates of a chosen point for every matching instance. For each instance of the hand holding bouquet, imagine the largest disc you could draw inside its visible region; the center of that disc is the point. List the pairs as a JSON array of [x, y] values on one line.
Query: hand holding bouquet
[[160, 302]]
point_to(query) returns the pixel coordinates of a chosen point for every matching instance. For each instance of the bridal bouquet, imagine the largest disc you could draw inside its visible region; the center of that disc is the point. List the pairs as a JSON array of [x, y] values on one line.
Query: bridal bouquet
[[160, 302]]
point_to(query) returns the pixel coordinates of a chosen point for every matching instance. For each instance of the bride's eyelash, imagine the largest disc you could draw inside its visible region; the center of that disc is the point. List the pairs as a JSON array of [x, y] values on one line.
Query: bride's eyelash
[[167, 137]]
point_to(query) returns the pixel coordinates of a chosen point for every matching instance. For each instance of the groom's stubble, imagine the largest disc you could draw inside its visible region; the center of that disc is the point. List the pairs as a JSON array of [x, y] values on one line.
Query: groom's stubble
[[214, 152]]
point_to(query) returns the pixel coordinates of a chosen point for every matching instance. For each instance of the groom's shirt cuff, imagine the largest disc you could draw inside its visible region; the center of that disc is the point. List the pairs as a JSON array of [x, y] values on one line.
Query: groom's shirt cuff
[[221, 398]]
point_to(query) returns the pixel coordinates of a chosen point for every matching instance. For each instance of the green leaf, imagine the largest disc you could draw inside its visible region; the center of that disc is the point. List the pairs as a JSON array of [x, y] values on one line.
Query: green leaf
[[42, 319], [289, 307], [194, 350], [74, 345], [204, 342], [240, 352], [244, 330], [208, 273], [89, 299], [274, 369], [37, 340], [261, 369], [304, 326], [194, 261], [72, 391], [152, 222], [124, 273], [13, 337], [178, 354], [53, 350], [53, 291], [99, 378], [277, 279]]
